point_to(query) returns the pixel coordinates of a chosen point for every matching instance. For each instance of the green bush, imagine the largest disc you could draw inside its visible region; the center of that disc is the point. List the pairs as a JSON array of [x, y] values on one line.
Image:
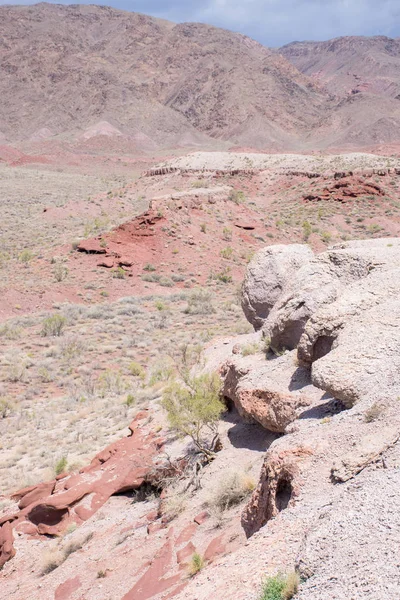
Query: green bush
[[280, 587], [237, 196], [200, 303], [137, 370], [53, 326], [194, 409], [60, 466], [196, 564]]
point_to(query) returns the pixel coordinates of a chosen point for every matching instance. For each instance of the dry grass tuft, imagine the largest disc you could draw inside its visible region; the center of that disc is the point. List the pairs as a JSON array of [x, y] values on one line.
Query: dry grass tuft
[[231, 489]]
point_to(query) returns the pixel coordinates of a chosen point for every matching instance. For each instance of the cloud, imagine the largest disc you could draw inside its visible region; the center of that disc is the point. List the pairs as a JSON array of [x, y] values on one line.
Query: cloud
[[275, 22]]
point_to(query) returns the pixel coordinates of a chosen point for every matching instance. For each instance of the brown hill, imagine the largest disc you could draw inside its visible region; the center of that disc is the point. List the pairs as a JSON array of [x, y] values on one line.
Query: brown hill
[[350, 65], [116, 80], [70, 68]]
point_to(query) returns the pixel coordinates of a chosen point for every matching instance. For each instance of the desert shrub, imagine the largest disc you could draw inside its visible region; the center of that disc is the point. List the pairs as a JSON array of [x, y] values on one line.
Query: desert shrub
[[111, 382], [6, 407], [194, 408], [227, 252], [130, 400], [178, 278], [203, 227], [231, 489], [137, 370], [51, 561], [237, 196], [166, 282], [196, 564], [149, 267], [280, 587], [10, 331], [118, 273], [326, 237], [174, 504], [200, 303], [76, 545], [26, 256], [224, 276], [61, 465], [53, 325], [200, 183], [161, 372], [60, 272], [307, 230], [17, 371], [71, 347], [152, 277], [250, 349], [227, 234]]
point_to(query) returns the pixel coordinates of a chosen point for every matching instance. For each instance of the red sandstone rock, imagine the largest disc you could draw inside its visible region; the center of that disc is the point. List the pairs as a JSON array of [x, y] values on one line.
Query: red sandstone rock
[[66, 589], [201, 517], [125, 262], [6, 543], [152, 516], [51, 506], [34, 493], [215, 548], [186, 534], [153, 527], [245, 225], [278, 485], [348, 188], [91, 246], [186, 552]]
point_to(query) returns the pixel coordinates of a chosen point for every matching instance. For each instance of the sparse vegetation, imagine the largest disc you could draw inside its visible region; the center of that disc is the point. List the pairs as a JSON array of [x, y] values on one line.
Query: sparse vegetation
[[53, 325], [200, 303], [196, 564], [231, 489], [61, 465], [237, 196], [193, 409], [280, 587]]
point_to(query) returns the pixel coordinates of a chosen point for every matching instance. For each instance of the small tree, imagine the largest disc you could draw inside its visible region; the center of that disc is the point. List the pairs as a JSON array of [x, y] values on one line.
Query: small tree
[[194, 409]]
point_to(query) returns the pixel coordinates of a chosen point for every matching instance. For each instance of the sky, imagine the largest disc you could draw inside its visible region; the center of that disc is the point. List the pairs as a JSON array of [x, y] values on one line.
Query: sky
[[272, 22]]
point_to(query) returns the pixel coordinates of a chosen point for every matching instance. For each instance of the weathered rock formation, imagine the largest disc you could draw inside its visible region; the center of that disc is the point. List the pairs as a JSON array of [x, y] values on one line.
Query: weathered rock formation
[[48, 508], [267, 276], [339, 315], [272, 392]]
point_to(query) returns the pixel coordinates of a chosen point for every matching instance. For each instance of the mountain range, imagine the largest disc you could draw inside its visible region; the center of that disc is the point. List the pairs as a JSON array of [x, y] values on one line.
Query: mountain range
[[83, 72]]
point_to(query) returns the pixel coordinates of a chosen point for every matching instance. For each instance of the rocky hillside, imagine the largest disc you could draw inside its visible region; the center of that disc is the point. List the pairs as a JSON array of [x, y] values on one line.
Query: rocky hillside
[[350, 65], [312, 412], [105, 77], [95, 70]]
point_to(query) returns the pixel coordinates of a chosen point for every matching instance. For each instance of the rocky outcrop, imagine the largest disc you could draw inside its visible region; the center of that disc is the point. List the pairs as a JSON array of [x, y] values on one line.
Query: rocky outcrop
[[49, 508], [345, 190], [340, 315], [278, 486], [271, 392], [268, 276], [316, 284]]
